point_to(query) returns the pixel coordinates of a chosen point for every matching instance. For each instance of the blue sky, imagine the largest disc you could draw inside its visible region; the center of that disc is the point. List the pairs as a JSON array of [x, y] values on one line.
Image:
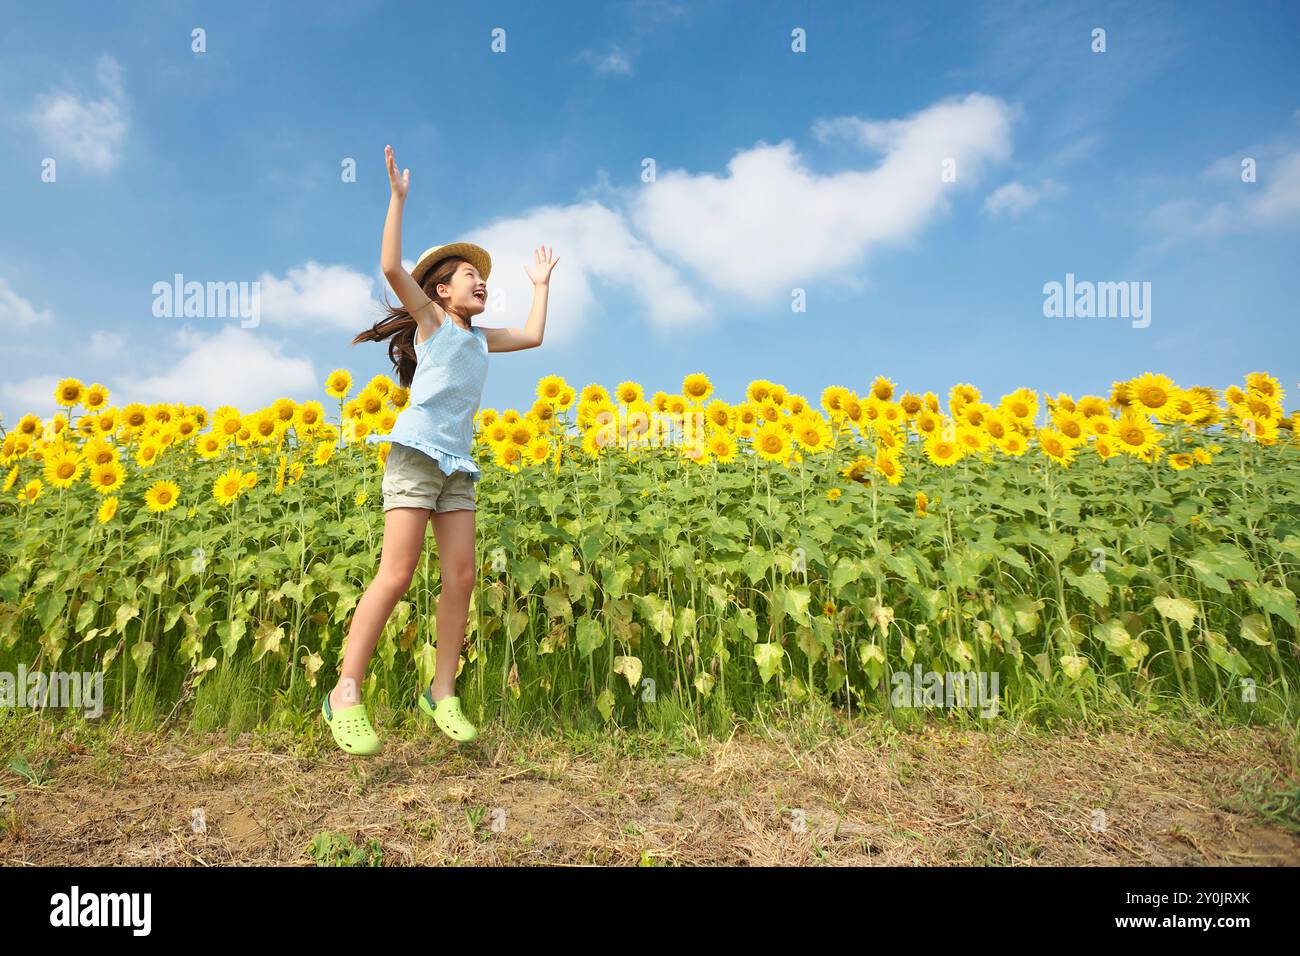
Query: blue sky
[[775, 171]]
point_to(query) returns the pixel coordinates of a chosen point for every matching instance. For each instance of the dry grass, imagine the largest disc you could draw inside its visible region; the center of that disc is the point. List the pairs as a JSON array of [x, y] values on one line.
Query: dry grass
[[1172, 794]]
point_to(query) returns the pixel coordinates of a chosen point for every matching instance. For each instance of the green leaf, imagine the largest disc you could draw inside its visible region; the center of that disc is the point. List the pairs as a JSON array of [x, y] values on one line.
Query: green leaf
[[605, 703], [794, 601], [1177, 609], [590, 635], [630, 668], [85, 614], [756, 565], [659, 615], [873, 659], [558, 606], [748, 623], [1114, 635], [1011, 556], [592, 544], [124, 613], [1230, 561], [268, 641], [1254, 628], [902, 565], [684, 626], [1004, 621], [809, 644], [230, 633], [846, 571], [1092, 584], [49, 607], [1026, 610], [769, 658], [141, 651], [527, 571], [1275, 600], [1074, 666], [1205, 573], [929, 600]]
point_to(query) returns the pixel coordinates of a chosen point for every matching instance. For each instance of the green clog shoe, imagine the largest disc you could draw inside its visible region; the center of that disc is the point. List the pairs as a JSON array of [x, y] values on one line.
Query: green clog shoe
[[446, 713], [351, 728]]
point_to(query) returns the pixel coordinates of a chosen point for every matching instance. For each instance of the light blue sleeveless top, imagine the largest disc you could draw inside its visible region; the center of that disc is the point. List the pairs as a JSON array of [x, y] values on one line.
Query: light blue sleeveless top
[[450, 370]]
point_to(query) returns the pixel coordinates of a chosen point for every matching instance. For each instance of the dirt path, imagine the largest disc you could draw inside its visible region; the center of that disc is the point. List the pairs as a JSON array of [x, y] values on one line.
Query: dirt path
[[878, 796]]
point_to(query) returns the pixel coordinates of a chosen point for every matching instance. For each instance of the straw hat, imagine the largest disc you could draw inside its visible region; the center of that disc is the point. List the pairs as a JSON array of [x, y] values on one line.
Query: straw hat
[[467, 250]]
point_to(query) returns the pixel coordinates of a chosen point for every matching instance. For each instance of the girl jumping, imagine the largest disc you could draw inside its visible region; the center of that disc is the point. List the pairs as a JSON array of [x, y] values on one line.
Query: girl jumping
[[429, 472]]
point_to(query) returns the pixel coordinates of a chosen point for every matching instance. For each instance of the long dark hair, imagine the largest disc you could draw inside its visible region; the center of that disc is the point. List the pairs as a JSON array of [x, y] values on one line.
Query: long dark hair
[[398, 324]]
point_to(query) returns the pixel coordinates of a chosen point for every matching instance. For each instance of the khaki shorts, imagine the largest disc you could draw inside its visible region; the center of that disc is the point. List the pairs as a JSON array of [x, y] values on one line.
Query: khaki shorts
[[413, 480]]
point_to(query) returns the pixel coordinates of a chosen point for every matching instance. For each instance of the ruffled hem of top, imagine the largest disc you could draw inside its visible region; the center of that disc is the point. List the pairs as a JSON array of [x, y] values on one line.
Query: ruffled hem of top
[[447, 461]]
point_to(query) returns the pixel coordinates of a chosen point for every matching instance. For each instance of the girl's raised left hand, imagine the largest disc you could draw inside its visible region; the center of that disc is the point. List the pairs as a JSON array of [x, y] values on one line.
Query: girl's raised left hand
[[540, 273]]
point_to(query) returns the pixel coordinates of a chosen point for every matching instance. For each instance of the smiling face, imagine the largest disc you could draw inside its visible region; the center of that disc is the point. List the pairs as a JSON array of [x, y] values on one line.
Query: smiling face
[[464, 293]]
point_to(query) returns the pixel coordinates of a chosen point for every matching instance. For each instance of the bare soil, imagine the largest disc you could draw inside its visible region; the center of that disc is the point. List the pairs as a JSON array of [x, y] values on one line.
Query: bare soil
[[940, 796]]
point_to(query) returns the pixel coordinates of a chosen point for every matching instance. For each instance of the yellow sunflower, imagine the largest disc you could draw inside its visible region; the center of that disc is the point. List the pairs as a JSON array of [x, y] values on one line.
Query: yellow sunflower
[[1056, 446], [107, 508], [942, 451], [107, 477], [812, 434], [537, 451], [722, 446], [1152, 392], [551, 388], [63, 467], [1071, 425], [339, 383], [771, 443], [228, 486], [162, 496], [1022, 405], [973, 440], [889, 466], [1135, 435], [1264, 385], [69, 392], [697, 387], [858, 469], [1013, 444]]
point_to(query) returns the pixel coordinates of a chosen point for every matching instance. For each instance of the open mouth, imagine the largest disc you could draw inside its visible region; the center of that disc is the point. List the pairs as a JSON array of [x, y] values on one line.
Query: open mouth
[[481, 295]]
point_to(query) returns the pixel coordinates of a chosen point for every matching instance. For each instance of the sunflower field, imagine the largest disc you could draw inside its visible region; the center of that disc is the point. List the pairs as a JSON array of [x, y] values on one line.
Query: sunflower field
[[678, 553]]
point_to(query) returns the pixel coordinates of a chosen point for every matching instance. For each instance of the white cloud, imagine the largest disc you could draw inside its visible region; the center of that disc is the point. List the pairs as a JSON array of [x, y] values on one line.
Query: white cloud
[[15, 311], [611, 61], [1279, 200], [232, 366], [33, 395], [106, 345], [771, 224], [314, 295], [1015, 198], [768, 225], [1272, 200], [593, 243], [89, 131]]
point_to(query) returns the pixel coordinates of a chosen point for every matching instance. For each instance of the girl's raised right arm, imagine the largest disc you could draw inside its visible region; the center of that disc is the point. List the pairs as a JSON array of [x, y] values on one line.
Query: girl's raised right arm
[[390, 257]]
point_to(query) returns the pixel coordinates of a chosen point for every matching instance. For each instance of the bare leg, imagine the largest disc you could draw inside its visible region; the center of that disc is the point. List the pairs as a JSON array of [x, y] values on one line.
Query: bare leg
[[403, 544], [454, 533]]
